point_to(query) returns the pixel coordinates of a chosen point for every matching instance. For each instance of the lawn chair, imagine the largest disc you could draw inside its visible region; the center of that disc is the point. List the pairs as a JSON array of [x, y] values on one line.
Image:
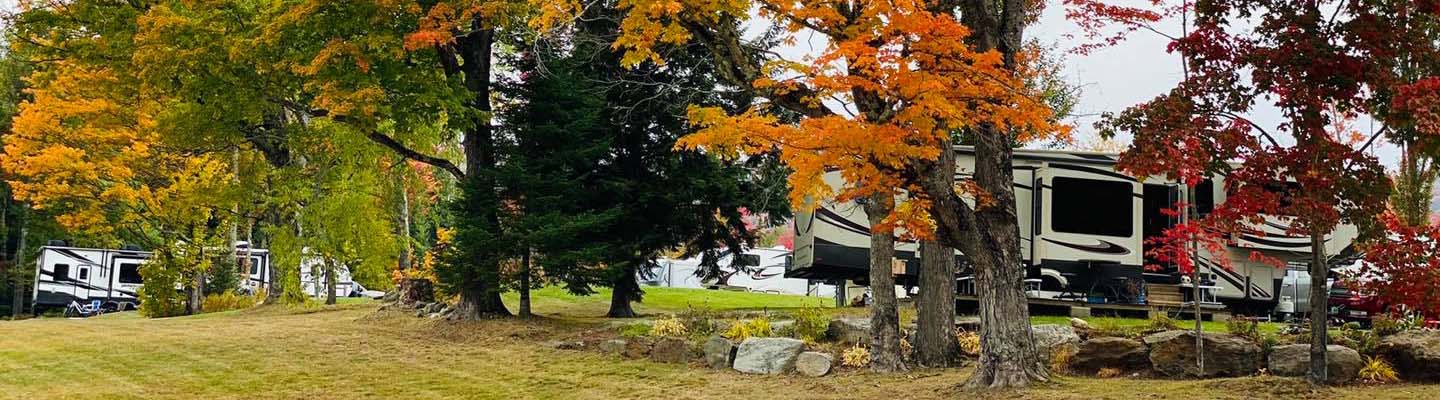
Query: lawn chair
[[87, 310]]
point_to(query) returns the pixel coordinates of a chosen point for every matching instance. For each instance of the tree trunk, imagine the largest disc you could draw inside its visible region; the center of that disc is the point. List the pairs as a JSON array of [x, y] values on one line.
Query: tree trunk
[[935, 339], [482, 298], [405, 251], [476, 305], [17, 274], [196, 293], [330, 272], [885, 354], [624, 290], [1319, 310], [525, 285]]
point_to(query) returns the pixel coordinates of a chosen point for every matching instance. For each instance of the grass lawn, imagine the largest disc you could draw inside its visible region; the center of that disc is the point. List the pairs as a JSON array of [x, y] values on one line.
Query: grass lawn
[[350, 351]]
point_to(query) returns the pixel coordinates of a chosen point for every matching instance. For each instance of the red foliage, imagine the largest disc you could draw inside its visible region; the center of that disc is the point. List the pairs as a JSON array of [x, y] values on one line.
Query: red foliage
[[1403, 268]]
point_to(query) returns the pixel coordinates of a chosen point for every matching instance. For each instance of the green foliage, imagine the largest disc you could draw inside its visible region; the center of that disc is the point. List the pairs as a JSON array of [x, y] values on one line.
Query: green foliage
[[811, 323], [741, 330], [158, 297], [1113, 328], [699, 321], [223, 277], [227, 301], [285, 258], [635, 330], [1248, 328], [1161, 322]]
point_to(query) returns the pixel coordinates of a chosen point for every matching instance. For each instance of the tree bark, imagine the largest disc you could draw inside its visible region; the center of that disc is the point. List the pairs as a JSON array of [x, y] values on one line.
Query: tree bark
[[1319, 310], [525, 285], [17, 275], [196, 293], [405, 250], [330, 272], [935, 339], [624, 290], [885, 354], [475, 50]]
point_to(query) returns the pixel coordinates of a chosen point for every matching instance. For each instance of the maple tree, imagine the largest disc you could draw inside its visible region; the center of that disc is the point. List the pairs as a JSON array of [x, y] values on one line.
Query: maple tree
[[1320, 63], [899, 78], [1402, 270]]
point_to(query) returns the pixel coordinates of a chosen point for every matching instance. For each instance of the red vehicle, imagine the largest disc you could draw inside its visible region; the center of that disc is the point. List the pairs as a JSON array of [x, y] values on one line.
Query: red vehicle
[[1351, 306]]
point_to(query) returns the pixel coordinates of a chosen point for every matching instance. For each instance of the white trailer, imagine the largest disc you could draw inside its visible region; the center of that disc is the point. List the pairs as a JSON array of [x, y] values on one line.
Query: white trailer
[[766, 273], [1081, 222]]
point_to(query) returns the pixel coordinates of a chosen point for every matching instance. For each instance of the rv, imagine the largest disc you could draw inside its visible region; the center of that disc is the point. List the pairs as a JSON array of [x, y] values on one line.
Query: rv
[[65, 274], [1083, 227], [766, 273]]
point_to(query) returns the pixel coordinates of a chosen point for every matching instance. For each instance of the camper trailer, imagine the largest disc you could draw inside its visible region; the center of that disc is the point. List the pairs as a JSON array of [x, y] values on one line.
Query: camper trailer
[[65, 274], [1083, 227], [763, 271]]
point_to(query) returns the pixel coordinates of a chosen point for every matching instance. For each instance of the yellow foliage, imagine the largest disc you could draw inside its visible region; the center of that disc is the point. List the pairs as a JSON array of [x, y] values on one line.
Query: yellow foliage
[[1106, 373], [741, 330], [969, 342], [856, 356], [1377, 370], [668, 327]]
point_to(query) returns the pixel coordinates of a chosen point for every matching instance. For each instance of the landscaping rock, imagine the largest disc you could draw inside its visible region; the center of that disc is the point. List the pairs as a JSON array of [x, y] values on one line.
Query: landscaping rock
[[636, 349], [777, 326], [1172, 353], [434, 307], [564, 345], [1050, 338], [671, 350], [968, 324], [420, 313], [770, 356], [719, 352], [814, 363], [1110, 352], [1342, 363], [1414, 354], [849, 330], [1081, 327], [421, 305], [612, 346]]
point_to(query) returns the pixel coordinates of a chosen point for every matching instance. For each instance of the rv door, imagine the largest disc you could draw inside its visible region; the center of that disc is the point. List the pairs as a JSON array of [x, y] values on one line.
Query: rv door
[[1088, 214]]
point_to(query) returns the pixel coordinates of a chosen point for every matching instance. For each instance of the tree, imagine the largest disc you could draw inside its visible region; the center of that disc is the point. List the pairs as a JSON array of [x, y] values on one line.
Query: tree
[[1321, 63], [583, 120], [1403, 269], [903, 75]]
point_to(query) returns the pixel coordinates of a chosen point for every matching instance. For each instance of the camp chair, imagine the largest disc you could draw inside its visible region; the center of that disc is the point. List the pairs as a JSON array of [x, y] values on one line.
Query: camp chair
[[87, 310]]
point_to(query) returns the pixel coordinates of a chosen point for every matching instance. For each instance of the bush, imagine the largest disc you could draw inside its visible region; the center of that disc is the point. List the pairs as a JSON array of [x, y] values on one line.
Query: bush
[[1060, 359], [1244, 327], [1161, 322], [668, 327], [158, 297], [223, 276], [699, 321], [856, 356], [227, 301], [968, 342], [1106, 328], [811, 323], [1376, 370], [741, 330], [1107, 373]]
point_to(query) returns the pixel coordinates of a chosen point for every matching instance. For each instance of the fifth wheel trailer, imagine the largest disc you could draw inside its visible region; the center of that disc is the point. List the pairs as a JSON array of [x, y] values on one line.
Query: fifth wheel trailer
[[1081, 222]]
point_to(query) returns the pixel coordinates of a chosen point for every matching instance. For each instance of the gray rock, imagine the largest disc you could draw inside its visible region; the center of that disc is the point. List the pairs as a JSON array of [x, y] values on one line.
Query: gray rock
[[564, 345], [1050, 338], [814, 363], [1414, 354], [421, 305], [1172, 353], [612, 346], [769, 356], [434, 307], [1110, 352], [1342, 364], [435, 316], [719, 352], [777, 326], [636, 349], [969, 324], [849, 330], [420, 312]]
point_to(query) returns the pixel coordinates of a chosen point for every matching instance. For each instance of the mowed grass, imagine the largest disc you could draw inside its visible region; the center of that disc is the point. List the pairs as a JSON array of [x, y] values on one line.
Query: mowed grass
[[351, 351]]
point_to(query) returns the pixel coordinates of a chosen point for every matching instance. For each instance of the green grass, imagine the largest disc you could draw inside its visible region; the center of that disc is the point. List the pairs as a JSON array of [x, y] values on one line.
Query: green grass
[[1097, 322], [351, 352], [555, 301]]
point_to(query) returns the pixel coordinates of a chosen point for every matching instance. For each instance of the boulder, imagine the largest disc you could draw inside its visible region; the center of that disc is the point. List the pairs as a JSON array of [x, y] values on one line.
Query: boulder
[[969, 324], [1110, 352], [1050, 338], [1172, 353], [421, 305], [564, 345], [1342, 363], [420, 312], [814, 363], [671, 350], [769, 356], [719, 352], [1080, 327], [849, 330], [1414, 354], [636, 349], [612, 346], [780, 326], [434, 307]]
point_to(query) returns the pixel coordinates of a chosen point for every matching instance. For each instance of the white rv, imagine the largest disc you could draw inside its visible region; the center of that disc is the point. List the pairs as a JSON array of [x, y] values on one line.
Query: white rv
[[766, 274], [65, 274], [1082, 224]]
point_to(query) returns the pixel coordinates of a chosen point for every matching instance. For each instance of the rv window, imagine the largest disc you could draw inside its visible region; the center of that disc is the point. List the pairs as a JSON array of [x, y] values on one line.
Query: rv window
[[130, 273], [1092, 207], [62, 272], [84, 274], [1205, 197]]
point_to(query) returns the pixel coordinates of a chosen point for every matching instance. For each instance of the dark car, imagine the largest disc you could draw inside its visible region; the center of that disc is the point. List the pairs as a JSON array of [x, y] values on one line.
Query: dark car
[[1348, 305]]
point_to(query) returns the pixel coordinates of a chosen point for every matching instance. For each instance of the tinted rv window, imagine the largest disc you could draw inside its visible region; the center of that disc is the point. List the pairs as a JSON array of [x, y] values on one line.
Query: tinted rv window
[[1205, 197], [84, 274], [130, 273], [62, 272], [1092, 207]]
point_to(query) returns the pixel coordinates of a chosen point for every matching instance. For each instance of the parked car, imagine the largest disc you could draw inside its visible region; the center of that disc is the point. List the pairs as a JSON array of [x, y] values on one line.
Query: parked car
[[361, 291], [1348, 305]]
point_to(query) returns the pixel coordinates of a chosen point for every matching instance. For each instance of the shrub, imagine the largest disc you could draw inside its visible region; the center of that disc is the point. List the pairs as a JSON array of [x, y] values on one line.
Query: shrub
[[856, 356], [635, 330], [741, 330], [811, 323], [1244, 327], [1162, 322], [1364, 342], [668, 327], [906, 349], [1386, 325], [1376, 370], [1060, 359], [226, 301], [968, 342], [1107, 373], [1106, 328], [699, 321]]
